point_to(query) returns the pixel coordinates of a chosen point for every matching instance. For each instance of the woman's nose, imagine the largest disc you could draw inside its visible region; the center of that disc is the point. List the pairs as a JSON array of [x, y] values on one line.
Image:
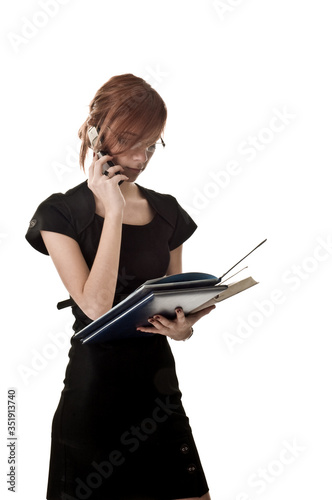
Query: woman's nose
[[140, 154]]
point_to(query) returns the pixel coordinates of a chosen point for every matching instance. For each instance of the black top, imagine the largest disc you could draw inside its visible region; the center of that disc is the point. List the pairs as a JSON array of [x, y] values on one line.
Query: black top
[[144, 249]]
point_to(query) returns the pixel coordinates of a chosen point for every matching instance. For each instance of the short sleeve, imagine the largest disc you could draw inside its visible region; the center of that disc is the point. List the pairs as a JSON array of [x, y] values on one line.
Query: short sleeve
[[184, 228], [51, 215]]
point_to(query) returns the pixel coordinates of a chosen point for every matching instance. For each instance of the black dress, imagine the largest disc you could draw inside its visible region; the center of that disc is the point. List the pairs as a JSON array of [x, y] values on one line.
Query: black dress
[[120, 430]]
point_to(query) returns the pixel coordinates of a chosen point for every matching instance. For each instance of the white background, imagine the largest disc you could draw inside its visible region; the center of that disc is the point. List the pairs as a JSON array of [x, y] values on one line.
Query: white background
[[256, 376]]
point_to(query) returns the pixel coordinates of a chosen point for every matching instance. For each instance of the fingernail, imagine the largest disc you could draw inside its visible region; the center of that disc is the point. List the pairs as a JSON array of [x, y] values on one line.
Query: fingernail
[[156, 317]]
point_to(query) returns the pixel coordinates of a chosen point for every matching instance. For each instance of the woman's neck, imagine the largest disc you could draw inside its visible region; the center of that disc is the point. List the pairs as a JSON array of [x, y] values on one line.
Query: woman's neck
[[129, 190]]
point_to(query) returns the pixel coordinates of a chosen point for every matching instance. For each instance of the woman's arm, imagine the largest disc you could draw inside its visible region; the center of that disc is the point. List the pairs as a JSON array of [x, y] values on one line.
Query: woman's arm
[[175, 262], [93, 290]]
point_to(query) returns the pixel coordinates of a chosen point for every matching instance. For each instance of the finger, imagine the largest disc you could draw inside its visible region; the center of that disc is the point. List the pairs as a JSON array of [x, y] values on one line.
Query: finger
[[150, 329], [180, 314], [117, 178], [162, 320], [92, 167], [100, 161], [101, 158], [91, 172], [111, 171]]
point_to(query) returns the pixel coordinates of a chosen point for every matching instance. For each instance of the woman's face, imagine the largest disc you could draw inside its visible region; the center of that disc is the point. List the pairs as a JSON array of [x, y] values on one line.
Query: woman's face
[[135, 160]]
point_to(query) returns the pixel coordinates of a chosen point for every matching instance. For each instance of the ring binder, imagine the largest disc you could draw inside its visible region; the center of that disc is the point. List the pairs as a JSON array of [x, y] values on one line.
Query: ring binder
[[190, 291]]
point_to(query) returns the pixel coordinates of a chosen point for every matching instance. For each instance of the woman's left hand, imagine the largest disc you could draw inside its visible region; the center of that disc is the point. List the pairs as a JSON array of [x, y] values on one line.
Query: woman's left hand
[[179, 328]]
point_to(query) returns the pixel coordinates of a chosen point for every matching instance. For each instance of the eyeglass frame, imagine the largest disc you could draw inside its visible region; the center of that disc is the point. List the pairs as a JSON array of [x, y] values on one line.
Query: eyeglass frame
[[153, 146]]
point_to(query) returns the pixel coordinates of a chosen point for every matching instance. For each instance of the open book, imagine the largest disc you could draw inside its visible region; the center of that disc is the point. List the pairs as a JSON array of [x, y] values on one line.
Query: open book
[[190, 291]]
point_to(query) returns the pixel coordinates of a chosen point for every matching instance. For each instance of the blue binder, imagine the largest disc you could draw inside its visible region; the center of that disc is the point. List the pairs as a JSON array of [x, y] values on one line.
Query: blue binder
[[158, 296]]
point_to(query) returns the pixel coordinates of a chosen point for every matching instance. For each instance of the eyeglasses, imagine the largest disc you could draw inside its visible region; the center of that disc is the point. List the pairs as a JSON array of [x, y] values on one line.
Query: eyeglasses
[[151, 148], [122, 141]]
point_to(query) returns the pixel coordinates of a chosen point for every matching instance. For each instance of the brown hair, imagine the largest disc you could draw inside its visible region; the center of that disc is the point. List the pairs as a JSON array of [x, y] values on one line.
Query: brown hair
[[125, 104]]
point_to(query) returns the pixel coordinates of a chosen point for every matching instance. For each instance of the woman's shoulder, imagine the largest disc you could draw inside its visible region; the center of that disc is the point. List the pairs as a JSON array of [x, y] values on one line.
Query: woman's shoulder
[[75, 204], [79, 193], [67, 213]]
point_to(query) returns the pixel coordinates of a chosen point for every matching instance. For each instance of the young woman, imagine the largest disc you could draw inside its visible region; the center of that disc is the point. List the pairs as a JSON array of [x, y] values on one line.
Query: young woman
[[120, 430]]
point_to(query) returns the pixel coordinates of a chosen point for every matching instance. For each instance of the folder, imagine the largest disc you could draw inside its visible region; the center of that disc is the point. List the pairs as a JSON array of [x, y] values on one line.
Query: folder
[[190, 291]]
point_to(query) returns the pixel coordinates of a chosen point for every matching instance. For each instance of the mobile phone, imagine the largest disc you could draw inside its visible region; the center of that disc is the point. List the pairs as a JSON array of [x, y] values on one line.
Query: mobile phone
[[93, 136]]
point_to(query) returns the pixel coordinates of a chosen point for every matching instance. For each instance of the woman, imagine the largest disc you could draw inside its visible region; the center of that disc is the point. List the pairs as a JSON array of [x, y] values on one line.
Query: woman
[[120, 430]]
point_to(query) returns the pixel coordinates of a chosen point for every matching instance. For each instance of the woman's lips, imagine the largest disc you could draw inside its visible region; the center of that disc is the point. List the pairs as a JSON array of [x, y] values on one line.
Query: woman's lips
[[136, 170]]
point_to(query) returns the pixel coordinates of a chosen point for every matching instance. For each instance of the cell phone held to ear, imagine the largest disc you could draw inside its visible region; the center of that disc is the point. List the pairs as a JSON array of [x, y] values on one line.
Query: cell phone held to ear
[[93, 137]]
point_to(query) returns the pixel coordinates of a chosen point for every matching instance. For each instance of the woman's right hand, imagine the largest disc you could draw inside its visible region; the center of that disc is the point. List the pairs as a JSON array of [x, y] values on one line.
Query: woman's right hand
[[93, 289], [106, 187]]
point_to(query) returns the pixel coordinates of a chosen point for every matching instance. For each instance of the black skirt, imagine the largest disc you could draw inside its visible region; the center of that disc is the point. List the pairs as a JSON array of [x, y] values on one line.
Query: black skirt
[[120, 430]]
